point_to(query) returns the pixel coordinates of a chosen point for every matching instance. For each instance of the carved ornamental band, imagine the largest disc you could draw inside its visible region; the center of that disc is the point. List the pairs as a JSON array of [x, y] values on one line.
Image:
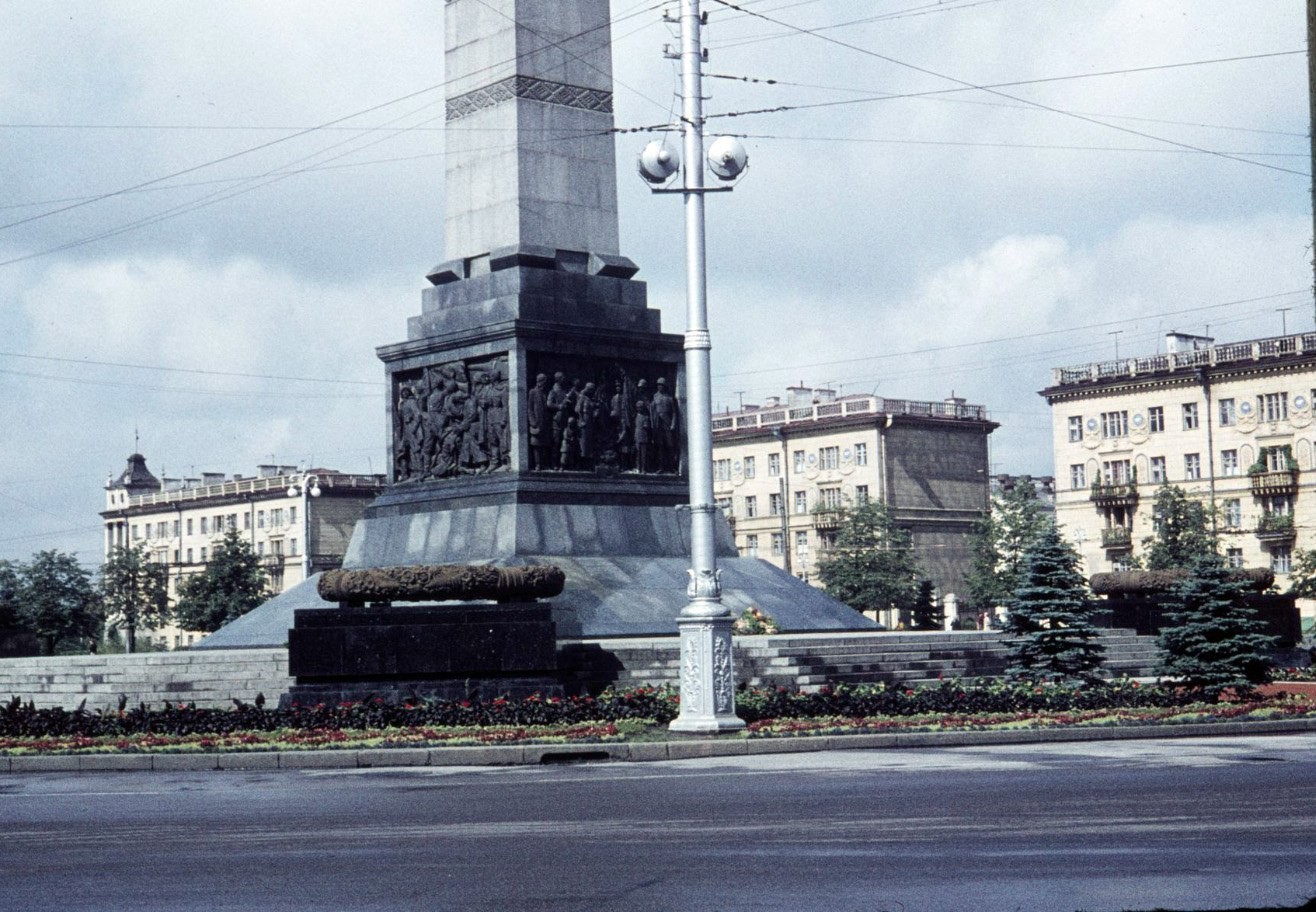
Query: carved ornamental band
[[557, 93]]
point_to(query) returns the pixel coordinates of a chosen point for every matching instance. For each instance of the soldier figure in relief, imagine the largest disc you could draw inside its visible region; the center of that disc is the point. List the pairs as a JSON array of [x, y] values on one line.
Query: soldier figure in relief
[[539, 421], [666, 427]]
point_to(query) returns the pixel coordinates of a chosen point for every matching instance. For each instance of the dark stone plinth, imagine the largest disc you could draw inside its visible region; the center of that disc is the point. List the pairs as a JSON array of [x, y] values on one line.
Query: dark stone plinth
[[423, 650]]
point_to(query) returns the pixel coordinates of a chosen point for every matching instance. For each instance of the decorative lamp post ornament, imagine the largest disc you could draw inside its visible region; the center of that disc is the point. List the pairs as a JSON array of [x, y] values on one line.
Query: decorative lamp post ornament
[[708, 680], [306, 485]]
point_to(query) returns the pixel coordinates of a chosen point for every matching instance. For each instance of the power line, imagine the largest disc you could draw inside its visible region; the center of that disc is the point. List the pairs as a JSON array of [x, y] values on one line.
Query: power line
[[928, 72], [183, 370], [1016, 338]]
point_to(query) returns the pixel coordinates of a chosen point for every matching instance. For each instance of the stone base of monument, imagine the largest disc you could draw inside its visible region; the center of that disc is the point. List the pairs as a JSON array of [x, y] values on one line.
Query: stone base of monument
[[446, 651]]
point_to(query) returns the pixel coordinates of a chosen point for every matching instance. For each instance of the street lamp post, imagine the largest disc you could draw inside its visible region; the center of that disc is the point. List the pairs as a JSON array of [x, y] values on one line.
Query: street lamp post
[[305, 485], [708, 682]]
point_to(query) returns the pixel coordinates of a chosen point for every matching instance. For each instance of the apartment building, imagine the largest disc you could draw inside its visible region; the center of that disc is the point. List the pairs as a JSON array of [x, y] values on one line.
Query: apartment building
[[783, 471], [1230, 424], [297, 521]]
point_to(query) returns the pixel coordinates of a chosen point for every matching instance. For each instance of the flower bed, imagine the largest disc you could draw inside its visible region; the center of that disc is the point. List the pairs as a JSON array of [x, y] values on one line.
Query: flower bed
[[619, 715]]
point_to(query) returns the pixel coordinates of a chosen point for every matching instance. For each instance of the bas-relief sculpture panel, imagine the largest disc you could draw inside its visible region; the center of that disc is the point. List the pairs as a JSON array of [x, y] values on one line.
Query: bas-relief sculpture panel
[[451, 419], [603, 416]]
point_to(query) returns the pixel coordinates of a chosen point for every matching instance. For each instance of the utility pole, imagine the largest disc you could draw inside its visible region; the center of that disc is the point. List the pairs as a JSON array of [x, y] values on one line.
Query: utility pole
[[1311, 130], [708, 684]]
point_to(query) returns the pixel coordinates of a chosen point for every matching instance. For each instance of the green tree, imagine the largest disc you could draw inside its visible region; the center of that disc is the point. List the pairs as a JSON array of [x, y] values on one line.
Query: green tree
[[1302, 581], [872, 566], [1183, 531], [57, 600], [928, 613], [1050, 616], [1001, 538], [232, 584], [135, 591], [1214, 640], [9, 588]]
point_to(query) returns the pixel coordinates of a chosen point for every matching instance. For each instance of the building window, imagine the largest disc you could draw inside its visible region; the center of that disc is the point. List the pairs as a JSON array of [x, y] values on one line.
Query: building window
[[260, 519], [722, 470], [276, 518], [1078, 477], [861, 454], [1277, 459], [1155, 419], [1227, 415], [189, 555], [1234, 558], [1233, 513], [1274, 407], [189, 526], [1190, 416], [829, 498], [203, 555], [861, 493], [205, 525], [750, 471], [801, 542], [1192, 466], [1281, 559], [178, 529], [751, 506], [1114, 424], [797, 461], [1117, 471], [260, 549], [1158, 469], [1229, 462], [292, 547], [829, 458], [246, 522], [774, 504], [774, 465], [175, 555], [751, 546], [801, 501], [1075, 428], [778, 544]]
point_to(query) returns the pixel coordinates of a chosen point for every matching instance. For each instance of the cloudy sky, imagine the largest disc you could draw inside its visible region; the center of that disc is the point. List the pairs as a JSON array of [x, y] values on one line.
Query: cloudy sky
[[211, 214]]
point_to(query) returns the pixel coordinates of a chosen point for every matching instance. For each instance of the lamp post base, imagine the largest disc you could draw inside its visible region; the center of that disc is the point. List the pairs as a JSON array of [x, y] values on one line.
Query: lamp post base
[[708, 678]]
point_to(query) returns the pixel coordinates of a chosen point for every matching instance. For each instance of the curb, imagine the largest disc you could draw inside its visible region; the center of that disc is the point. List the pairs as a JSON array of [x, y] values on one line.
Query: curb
[[639, 752]]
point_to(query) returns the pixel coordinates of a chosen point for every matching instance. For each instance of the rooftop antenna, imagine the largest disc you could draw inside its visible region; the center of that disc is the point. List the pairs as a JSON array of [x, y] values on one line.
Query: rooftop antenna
[[1283, 319], [1116, 334]]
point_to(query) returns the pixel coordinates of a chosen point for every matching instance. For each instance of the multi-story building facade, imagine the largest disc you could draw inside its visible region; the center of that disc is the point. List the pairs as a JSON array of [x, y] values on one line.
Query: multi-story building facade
[[782, 472], [298, 522], [1231, 425]]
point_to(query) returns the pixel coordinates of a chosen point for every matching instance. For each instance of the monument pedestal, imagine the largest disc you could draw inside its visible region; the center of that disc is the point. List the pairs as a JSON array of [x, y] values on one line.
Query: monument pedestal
[[449, 652]]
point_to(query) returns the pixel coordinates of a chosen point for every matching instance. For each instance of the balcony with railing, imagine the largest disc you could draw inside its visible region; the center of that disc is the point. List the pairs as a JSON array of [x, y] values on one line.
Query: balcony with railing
[[845, 408], [1115, 493], [1276, 528], [828, 519], [1117, 538], [1302, 344], [1280, 482]]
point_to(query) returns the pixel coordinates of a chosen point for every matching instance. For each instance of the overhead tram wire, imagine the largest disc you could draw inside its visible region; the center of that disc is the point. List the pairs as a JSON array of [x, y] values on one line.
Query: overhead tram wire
[[645, 7], [128, 365], [1044, 147], [1030, 103], [870, 97], [1017, 338], [940, 94]]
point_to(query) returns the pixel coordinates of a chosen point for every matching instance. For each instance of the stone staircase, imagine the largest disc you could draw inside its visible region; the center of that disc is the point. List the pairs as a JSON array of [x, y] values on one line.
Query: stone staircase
[[809, 661]]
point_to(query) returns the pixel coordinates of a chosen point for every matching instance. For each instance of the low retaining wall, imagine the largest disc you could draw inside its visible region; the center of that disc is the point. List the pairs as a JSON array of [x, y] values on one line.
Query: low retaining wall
[[208, 679]]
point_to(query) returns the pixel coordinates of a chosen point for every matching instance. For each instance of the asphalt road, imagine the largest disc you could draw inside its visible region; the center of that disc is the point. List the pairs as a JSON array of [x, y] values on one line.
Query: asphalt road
[[1177, 824]]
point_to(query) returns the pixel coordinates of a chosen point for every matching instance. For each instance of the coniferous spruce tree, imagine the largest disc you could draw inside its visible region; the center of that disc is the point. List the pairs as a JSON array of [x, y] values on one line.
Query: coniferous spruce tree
[[927, 614], [1050, 617], [1215, 641]]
